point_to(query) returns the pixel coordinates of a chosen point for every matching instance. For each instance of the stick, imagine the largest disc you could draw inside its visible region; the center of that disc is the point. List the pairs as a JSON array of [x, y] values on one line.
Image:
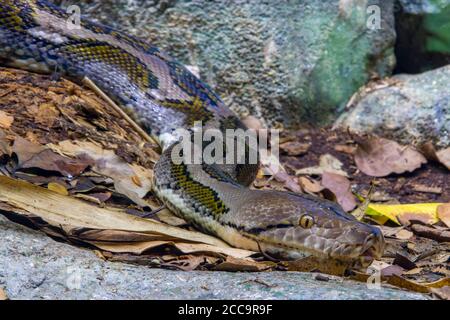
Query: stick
[[90, 84]]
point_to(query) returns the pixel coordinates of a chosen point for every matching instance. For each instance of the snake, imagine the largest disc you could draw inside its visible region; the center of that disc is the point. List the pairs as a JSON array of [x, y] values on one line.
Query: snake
[[162, 96]]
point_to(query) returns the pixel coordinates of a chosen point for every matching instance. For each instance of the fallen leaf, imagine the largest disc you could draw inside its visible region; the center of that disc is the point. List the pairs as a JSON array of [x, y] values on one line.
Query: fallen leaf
[[379, 157], [3, 295], [310, 185], [290, 182], [348, 149], [107, 163], [5, 120], [341, 188], [404, 213], [71, 213], [51, 161], [392, 270], [25, 150], [442, 156], [295, 148], [404, 234], [327, 163], [234, 264], [442, 293], [443, 213], [58, 188], [403, 261]]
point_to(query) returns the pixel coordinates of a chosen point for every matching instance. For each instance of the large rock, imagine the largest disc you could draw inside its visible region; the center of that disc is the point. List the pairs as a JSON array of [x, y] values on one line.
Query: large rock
[[33, 266], [410, 109], [289, 62]]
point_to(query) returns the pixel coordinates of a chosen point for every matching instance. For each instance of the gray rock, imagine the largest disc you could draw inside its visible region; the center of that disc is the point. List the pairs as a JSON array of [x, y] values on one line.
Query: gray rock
[[412, 109], [33, 266], [289, 62]]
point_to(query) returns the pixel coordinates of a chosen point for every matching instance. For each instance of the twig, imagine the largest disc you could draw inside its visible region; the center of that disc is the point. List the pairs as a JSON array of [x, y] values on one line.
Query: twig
[[90, 84]]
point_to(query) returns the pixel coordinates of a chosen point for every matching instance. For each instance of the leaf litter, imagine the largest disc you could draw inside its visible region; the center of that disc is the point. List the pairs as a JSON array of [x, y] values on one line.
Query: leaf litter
[[84, 170]]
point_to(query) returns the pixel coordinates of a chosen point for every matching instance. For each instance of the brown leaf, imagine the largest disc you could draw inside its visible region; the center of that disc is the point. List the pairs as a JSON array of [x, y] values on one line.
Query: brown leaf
[[290, 182], [326, 163], [107, 163], [443, 212], [235, 264], [442, 156], [310, 185], [25, 150], [379, 157], [407, 218], [295, 148], [341, 188], [404, 234], [5, 120], [348, 149], [442, 293], [51, 161]]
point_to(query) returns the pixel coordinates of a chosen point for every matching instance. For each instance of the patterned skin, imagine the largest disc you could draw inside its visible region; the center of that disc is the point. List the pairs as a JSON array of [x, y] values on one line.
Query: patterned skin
[[162, 96]]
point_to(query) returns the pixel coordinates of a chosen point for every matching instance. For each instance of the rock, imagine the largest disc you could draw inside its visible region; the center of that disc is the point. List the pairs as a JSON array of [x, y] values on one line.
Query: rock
[[33, 266], [420, 26], [288, 63], [409, 109]]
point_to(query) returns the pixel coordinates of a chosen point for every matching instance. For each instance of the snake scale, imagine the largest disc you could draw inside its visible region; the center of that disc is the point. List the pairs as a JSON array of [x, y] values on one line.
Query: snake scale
[[162, 95]]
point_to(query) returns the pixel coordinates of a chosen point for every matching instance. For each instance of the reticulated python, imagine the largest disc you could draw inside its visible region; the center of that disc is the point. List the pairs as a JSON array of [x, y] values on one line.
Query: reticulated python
[[163, 96]]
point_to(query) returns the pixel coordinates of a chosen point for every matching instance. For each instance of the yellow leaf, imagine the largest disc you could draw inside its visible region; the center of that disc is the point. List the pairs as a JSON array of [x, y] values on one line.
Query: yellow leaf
[[424, 211], [58, 188]]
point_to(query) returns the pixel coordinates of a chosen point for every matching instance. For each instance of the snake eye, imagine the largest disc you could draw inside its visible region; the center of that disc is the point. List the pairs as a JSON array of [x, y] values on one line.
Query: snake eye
[[306, 221]]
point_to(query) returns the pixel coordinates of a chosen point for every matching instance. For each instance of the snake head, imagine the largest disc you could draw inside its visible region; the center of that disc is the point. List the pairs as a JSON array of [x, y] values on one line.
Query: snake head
[[293, 226]]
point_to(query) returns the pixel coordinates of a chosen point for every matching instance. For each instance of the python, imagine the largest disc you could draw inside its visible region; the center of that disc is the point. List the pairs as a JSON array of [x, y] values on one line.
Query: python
[[162, 96]]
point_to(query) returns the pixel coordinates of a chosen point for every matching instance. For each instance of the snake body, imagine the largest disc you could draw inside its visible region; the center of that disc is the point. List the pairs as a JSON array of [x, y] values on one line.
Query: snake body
[[162, 96]]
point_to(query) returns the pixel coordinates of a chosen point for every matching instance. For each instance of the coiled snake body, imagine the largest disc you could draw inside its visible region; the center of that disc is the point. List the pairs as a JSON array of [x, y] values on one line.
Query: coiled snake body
[[162, 96]]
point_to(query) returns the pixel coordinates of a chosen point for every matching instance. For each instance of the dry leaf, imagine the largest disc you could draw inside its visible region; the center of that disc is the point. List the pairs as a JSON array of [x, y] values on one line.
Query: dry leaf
[[58, 188], [310, 185], [107, 163], [295, 148], [51, 161], [404, 234], [404, 213], [326, 163], [348, 149], [379, 157], [442, 156], [443, 213], [341, 188], [442, 293], [234, 264], [5, 120], [25, 150], [71, 213]]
